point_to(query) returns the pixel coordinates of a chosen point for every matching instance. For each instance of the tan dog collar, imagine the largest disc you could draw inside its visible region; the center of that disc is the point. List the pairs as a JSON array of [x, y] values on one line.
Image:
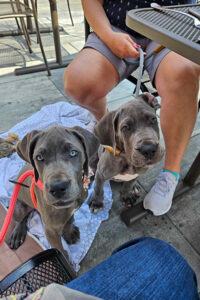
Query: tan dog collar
[[111, 149]]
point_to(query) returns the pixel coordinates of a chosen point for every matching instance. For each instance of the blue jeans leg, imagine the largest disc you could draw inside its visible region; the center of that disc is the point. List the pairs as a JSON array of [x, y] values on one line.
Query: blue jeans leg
[[145, 268]]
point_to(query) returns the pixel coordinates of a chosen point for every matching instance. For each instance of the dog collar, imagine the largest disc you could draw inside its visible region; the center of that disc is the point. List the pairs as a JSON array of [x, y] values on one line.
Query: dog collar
[[32, 190], [111, 149]]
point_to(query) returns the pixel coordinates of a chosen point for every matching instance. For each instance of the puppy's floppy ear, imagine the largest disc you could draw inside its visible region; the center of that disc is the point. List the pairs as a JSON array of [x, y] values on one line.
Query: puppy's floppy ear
[[26, 146], [89, 141], [151, 100], [105, 130]]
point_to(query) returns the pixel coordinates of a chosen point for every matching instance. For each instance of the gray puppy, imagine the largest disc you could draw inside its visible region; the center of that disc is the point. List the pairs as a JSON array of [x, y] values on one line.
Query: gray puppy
[[132, 130], [59, 157]]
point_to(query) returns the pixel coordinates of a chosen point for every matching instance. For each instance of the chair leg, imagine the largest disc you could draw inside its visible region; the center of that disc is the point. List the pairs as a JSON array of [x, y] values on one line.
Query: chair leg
[[26, 35], [39, 37], [18, 26], [70, 14], [25, 32], [36, 11], [13, 9]]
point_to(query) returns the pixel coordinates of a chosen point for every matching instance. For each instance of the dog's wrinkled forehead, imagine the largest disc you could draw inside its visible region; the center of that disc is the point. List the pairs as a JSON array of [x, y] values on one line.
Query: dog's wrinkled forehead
[[56, 138], [136, 106], [135, 109]]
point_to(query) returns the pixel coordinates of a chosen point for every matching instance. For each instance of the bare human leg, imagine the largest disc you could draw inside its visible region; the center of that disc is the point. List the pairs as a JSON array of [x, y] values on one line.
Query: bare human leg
[[177, 82], [88, 79]]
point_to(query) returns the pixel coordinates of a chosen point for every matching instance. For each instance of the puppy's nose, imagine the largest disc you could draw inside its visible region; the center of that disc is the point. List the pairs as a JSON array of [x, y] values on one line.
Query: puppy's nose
[[58, 188], [148, 150]]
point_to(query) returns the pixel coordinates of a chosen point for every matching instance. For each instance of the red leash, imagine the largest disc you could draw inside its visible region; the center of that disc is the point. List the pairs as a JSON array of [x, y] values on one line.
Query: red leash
[[14, 199]]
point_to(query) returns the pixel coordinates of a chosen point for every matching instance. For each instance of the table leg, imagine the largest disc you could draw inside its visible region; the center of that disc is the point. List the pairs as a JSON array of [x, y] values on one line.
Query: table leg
[[194, 172], [131, 215], [56, 35]]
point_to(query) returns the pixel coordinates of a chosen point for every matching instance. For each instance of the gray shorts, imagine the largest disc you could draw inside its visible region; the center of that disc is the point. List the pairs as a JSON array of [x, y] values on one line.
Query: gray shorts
[[126, 67]]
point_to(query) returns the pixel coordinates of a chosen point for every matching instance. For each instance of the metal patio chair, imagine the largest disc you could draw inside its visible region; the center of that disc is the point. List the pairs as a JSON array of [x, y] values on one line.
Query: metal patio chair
[[16, 9], [49, 266], [70, 14], [69, 9]]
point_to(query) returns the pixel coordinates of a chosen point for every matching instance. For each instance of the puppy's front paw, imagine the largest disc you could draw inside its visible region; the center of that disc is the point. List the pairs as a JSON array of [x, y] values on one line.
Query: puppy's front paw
[[74, 236], [18, 236], [128, 199], [94, 205]]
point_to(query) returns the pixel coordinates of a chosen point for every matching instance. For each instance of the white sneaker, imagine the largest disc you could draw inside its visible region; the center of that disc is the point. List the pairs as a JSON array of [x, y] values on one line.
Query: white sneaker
[[159, 199], [91, 124]]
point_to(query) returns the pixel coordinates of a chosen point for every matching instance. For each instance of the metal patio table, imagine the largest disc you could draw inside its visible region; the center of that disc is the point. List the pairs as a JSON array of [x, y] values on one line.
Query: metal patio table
[[178, 33]]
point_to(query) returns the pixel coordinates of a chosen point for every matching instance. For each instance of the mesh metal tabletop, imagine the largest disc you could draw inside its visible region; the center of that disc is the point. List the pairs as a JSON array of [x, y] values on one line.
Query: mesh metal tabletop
[[172, 30]]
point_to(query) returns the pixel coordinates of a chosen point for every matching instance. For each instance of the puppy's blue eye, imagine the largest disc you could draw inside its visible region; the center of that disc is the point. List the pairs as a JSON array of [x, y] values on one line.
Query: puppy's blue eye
[[39, 157], [125, 127], [73, 153]]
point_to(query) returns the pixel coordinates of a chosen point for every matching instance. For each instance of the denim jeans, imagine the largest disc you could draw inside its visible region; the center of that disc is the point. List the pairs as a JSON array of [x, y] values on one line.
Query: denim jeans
[[145, 268]]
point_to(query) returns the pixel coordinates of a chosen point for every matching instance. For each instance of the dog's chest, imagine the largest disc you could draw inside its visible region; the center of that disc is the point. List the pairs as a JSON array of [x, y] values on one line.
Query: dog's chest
[[125, 177], [128, 173]]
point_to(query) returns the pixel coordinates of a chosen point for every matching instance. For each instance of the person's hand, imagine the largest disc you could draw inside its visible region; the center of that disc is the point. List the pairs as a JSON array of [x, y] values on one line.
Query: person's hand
[[122, 45]]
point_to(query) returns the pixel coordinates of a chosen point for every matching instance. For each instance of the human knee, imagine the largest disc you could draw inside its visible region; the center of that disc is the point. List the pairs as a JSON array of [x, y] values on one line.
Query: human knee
[[80, 88], [188, 76], [149, 245], [73, 85], [181, 80], [160, 251], [160, 246]]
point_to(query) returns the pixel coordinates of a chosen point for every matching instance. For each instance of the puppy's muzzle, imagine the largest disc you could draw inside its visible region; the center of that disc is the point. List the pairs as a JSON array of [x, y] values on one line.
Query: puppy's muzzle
[[148, 149], [58, 188]]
